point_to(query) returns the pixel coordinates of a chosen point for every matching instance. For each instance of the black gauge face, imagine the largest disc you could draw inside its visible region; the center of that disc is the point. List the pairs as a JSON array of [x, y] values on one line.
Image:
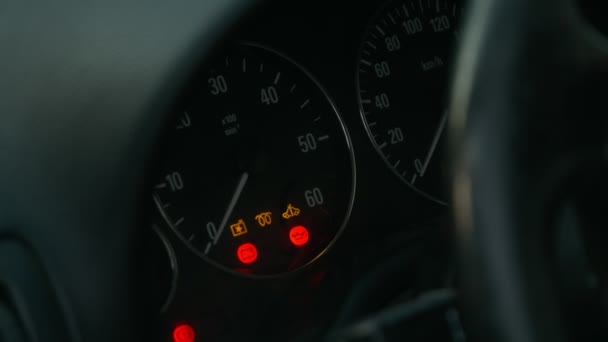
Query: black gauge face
[[259, 175], [402, 80]]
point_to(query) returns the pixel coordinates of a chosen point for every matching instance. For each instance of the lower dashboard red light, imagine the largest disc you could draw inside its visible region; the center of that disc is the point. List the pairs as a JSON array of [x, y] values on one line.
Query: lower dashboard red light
[[183, 333]]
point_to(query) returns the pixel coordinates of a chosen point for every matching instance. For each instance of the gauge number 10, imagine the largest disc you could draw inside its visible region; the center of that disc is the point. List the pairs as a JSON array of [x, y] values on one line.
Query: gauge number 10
[[175, 181]]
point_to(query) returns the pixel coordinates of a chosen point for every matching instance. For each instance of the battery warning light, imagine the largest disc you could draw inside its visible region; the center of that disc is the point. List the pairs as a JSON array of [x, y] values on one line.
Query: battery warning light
[[298, 235], [247, 253], [183, 333]]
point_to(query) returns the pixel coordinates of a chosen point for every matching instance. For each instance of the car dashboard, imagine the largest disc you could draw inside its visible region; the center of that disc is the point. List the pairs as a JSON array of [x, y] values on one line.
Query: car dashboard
[[302, 185]]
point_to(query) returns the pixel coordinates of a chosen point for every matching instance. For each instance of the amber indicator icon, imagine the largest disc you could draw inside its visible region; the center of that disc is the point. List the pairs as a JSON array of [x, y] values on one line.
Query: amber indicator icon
[[290, 212], [264, 219], [239, 228]]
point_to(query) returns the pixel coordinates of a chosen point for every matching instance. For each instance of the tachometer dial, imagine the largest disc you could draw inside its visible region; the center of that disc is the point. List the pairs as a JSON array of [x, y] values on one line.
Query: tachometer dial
[[402, 84], [259, 177]]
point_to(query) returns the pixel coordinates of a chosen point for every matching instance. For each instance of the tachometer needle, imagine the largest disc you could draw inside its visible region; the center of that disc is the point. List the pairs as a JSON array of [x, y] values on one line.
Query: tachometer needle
[[431, 151], [235, 198]]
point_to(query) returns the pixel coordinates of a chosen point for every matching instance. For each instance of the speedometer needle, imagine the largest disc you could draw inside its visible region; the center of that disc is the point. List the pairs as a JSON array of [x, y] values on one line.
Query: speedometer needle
[[431, 151], [235, 198]]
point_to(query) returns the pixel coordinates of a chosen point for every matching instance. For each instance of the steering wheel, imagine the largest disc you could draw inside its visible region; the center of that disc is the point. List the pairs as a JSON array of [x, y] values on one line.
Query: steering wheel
[[528, 139], [86, 87]]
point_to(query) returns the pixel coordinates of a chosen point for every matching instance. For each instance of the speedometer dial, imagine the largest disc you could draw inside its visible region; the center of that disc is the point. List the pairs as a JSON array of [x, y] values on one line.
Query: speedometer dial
[[259, 174], [402, 84]]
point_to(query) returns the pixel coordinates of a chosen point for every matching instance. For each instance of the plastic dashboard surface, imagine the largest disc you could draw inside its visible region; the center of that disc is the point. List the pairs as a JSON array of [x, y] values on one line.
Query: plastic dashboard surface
[[390, 223]]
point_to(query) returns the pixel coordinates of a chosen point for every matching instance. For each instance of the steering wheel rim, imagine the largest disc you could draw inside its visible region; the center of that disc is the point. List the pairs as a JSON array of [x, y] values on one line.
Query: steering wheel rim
[[87, 88], [516, 138]]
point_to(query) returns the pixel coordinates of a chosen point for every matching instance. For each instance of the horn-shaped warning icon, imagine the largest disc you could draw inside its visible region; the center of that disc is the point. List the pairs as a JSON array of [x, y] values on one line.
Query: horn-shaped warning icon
[[290, 212]]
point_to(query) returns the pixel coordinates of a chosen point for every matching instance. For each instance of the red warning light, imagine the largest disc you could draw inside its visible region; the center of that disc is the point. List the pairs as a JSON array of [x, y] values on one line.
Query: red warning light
[[298, 235], [183, 333], [247, 253]]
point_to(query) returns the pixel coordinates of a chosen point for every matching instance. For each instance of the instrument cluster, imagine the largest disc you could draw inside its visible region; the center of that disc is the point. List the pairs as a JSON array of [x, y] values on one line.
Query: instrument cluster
[[307, 156]]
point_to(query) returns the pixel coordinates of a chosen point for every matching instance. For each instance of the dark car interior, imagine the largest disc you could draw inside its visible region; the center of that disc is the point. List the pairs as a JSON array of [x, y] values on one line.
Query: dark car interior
[[396, 170]]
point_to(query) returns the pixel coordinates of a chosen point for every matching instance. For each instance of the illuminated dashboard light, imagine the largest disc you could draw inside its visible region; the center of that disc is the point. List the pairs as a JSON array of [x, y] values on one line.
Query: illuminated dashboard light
[[183, 333], [298, 235], [247, 253]]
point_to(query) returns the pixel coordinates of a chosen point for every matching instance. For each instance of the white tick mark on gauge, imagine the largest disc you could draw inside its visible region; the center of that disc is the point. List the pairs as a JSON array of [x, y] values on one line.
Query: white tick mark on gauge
[[323, 138], [191, 238], [227, 62], [371, 45], [366, 62], [166, 205], [276, 79], [208, 247], [244, 65], [178, 222], [304, 104], [366, 101], [261, 67], [372, 124], [396, 164], [293, 87], [392, 19], [383, 145], [380, 30], [317, 119], [414, 179], [161, 185], [407, 13]]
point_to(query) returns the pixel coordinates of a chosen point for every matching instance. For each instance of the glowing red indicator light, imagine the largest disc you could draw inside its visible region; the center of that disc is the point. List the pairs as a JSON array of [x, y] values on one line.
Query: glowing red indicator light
[[298, 235], [247, 253], [183, 333]]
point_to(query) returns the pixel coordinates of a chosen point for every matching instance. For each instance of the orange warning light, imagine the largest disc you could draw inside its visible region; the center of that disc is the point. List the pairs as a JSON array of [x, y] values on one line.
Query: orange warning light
[[247, 253], [239, 228], [290, 212], [183, 333], [298, 235]]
